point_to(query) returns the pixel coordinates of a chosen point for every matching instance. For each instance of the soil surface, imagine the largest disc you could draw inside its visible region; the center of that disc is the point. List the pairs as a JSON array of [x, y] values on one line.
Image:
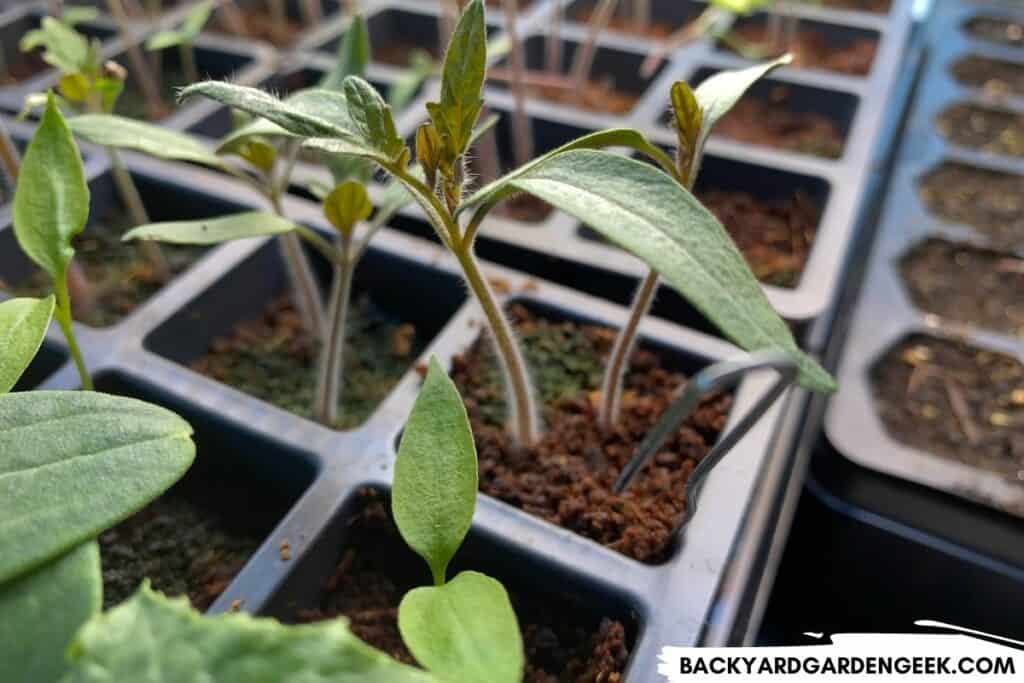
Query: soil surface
[[376, 569], [812, 49], [23, 68], [122, 278], [623, 23], [598, 95], [954, 400], [996, 77], [567, 477], [996, 30], [274, 359], [770, 121], [261, 25], [991, 202], [990, 130]]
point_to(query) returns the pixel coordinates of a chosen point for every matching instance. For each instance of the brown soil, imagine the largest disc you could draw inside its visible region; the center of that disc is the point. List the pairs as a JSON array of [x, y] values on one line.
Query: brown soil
[[376, 569], [623, 23], [769, 121], [967, 284], [997, 78], [261, 25], [996, 30], [954, 400], [274, 359], [567, 477], [23, 68], [992, 202], [774, 235], [814, 50], [878, 6], [122, 277], [990, 130], [598, 96]]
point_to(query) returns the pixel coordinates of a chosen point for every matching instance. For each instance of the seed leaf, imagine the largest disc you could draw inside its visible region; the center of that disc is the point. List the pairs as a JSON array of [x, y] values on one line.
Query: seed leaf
[[353, 55], [76, 463], [464, 631], [111, 130], [462, 81], [51, 201], [23, 325], [213, 230], [651, 215], [434, 490], [346, 205], [153, 639], [41, 612]]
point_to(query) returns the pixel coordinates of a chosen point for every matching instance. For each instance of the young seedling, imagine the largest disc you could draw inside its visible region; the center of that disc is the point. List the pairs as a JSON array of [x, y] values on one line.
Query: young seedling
[[184, 37], [147, 79]]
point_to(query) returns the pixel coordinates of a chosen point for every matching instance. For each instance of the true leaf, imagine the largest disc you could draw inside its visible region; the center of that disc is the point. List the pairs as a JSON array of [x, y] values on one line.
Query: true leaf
[[687, 117], [739, 6], [213, 230], [76, 463], [651, 215], [372, 117], [110, 130], [41, 612], [464, 631], [434, 490], [462, 80], [23, 325], [51, 201], [153, 639], [346, 205], [73, 16], [190, 28], [353, 55]]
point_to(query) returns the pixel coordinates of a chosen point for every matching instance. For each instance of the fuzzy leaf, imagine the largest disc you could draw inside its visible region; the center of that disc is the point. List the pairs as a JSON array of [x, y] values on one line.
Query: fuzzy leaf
[[23, 325], [687, 116], [190, 29], [213, 230], [51, 201], [651, 215], [353, 55], [111, 130], [464, 631], [346, 205], [154, 639], [76, 463], [462, 81], [434, 490], [41, 612], [372, 117]]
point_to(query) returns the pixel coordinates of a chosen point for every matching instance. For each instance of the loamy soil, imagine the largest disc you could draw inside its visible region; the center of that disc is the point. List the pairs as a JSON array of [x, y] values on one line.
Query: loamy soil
[[996, 77], [772, 122], [996, 30], [995, 131], [813, 49], [991, 202]]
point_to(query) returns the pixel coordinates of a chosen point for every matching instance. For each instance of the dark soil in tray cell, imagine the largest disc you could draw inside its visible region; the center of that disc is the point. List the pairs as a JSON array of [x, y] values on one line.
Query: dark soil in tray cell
[[597, 96], [954, 400], [991, 202], [996, 77], [967, 284], [996, 30], [119, 274], [814, 49], [877, 6], [769, 121], [990, 130], [274, 359], [567, 477], [23, 68], [376, 569]]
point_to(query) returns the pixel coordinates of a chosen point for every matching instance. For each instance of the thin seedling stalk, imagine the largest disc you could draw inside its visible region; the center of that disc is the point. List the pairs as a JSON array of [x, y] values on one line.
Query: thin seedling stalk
[[10, 160], [584, 61], [553, 40], [137, 210], [618, 361], [188, 61], [148, 82], [62, 313], [521, 134], [487, 156], [685, 34], [329, 385]]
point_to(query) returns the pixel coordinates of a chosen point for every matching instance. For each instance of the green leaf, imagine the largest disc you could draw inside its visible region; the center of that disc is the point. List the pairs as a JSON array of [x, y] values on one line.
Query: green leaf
[[153, 639], [213, 230], [434, 491], [63, 47], [371, 117], [462, 81], [41, 612], [51, 201], [651, 215], [739, 6], [110, 130], [464, 631], [257, 128], [421, 67], [73, 16], [23, 325], [76, 463], [353, 55], [346, 205], [687, 117], [190, 29]]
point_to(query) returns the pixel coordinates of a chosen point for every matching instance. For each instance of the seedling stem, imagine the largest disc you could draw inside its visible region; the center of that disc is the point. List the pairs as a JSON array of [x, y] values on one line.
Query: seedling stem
[[62, 312], [148, 82], [9, 157], [584, 60], [328, 392]]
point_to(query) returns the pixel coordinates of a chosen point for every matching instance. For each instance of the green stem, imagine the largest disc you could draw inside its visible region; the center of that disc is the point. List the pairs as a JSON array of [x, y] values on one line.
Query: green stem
[[132, 199], [331, 379], [522, 138], [304, 288], [10, 160], [618, 362], [188, 62], [62, 312], [147, 81]]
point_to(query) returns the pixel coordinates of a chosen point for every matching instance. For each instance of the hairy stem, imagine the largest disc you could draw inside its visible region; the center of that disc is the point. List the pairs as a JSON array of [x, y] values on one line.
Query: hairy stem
[[584, 59], [148, 82], [305, 291], [487, 163], [133, 202], [332, 353], [618, 362], [188, 62], [521, 135], [62, 312]]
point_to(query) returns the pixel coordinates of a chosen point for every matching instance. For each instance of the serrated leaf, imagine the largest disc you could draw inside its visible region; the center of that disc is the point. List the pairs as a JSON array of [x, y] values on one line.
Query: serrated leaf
[[464, 631], [462, 81], [41, 612], [372, 117], [76, 463], [346, 205], [434, 490], [153, 639], [63, 47], [213, 230], [23, 325], [353, 55], [110, 130], [51, 200], [687, 116], [651, 215]]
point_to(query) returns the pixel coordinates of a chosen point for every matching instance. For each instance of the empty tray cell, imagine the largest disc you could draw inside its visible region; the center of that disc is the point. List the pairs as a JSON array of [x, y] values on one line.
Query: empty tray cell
[[615, 84], [798, 118], [17, 66], [666, 16], [244, 331], [259, 22], [196, 537], [954, 400], [996, 30], [360, 568], [996, 77], [967, 284], [991, 202], [996, 131], [817, 45]]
